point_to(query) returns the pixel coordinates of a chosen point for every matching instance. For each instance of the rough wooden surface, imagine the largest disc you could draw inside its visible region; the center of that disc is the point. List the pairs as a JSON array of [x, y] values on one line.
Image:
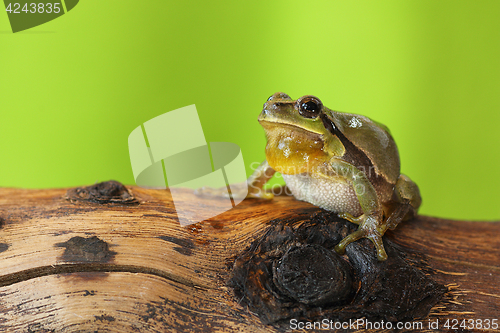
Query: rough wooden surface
[[143, 272]]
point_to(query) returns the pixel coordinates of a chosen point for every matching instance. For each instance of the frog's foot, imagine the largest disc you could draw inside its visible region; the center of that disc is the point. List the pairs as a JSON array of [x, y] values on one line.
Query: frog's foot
[[368, 228], [238, 191]]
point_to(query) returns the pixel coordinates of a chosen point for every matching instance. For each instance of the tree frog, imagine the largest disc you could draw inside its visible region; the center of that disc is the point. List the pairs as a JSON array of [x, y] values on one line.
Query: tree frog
[[341, 162]]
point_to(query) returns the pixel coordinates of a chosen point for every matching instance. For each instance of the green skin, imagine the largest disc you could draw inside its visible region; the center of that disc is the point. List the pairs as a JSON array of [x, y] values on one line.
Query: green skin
[[337, 154]]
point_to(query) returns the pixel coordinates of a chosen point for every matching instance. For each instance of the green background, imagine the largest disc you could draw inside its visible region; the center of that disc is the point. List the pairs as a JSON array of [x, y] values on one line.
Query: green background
[[73, 89]]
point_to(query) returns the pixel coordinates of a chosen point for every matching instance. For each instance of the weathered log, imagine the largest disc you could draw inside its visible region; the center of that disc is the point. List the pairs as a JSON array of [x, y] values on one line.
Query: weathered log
[[112, 259]]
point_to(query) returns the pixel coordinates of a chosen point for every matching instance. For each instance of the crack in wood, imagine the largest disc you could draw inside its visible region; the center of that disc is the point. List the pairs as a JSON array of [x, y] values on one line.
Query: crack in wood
[[450, 273], [33, 273]]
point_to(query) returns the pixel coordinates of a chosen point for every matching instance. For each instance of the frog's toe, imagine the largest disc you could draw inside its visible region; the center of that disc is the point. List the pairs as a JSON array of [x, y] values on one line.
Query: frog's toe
[[358, 234], [244, 190], [261, 195], [379, 246], [363, 233], [350, 218]]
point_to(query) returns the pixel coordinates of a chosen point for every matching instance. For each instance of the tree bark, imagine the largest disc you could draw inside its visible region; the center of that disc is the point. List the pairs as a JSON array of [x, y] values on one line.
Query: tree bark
[[72, 261]]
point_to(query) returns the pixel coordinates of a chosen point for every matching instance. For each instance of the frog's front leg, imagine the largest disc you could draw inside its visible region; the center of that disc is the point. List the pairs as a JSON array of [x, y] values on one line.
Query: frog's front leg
[[258, 179], [371, 224], [252, 188]]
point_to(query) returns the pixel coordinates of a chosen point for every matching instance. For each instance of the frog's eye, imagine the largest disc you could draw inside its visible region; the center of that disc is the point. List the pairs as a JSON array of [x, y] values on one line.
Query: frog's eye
[[309, 106]]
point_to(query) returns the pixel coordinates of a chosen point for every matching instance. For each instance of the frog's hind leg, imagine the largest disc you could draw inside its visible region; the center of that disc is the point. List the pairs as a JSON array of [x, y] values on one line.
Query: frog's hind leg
[[397, 215], [408, 201], [350, 218], [372, 223]]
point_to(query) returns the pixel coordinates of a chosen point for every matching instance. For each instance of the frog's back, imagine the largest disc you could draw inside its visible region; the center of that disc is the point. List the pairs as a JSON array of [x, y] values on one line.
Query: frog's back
[[373, 141]]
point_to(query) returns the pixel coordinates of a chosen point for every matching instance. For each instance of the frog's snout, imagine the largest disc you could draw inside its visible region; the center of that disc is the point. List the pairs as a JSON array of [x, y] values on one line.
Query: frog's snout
[[264, 114], [278, 106], [279, 96], [275, 102]]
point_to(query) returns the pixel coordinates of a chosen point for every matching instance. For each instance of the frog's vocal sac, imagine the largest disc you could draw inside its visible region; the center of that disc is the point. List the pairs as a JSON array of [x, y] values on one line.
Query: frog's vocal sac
[[341, 162]]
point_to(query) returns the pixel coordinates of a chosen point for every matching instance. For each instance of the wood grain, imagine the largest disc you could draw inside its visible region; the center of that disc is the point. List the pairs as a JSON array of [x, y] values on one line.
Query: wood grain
[[161, 277]]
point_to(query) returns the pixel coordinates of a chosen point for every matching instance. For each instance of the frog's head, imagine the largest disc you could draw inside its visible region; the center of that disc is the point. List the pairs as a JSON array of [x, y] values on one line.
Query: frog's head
[[302, 114], [298, 131], [307, 126]]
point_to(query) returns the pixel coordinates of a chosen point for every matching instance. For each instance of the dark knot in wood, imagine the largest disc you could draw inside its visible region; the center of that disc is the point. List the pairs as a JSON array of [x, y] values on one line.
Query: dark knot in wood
[[293, 271], [105, 192], [92, 249], [4, 247], [313, 275]]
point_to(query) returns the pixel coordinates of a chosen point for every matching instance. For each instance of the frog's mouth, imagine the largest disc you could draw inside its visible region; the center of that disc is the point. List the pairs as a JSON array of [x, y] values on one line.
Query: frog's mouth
[[269, 119], [280, 129]]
